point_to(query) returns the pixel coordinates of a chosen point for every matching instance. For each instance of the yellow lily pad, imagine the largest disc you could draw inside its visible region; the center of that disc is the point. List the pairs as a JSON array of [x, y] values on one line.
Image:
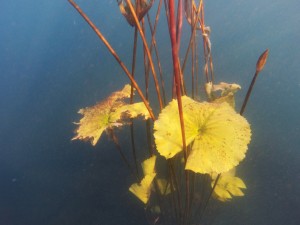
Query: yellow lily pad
[[143, 190], [108, 114], [228, 185], [149, 165], [167, 131], [220, 136]]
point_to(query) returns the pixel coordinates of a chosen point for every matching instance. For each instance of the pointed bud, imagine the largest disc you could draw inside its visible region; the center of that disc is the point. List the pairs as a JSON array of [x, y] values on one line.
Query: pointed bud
[[262, 61]]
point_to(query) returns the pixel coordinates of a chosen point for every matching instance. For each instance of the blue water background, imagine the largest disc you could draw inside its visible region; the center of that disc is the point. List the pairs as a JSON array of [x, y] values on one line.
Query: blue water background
[[52, 64]]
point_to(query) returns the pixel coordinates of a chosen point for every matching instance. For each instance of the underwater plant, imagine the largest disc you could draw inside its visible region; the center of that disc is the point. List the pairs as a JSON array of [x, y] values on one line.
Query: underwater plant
[[194, 146]]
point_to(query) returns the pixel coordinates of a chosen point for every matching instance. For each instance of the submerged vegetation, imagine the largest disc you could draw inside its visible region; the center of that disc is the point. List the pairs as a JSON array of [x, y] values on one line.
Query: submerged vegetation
[[194, 146]]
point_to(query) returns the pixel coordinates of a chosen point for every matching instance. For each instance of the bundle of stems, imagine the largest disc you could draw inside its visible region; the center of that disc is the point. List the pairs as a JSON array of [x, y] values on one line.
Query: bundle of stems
[[190, 194]]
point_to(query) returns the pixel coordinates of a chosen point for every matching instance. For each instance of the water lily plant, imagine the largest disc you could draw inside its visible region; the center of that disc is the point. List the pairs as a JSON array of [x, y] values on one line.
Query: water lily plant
[[194, 146]]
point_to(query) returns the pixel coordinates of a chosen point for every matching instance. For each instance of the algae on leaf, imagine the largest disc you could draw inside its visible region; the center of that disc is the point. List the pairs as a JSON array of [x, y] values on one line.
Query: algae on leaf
[[108, 114]]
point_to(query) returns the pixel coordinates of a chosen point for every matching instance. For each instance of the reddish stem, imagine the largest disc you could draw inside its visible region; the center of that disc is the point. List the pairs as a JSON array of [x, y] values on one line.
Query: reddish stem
[[176, 69], [179, 23], [112, 51], [132, 11]]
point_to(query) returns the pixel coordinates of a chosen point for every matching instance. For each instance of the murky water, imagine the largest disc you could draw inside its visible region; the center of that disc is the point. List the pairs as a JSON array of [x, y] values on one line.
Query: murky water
[[52, 64]]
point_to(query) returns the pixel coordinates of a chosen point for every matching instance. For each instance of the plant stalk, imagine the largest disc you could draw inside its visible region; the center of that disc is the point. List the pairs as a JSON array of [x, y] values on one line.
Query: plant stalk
[[115, 55], [259, 67], [132, 11]]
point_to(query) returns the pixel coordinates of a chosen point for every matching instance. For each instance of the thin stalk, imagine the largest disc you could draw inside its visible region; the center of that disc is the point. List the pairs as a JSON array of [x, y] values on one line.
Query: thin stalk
[[200, 12], [197, 68], [179, 23], [177, 188], [115, 140], [209, 196], [131, 101], [248, 93], [149, 138], [146, 72], [148, 127], [173, 200], [183, 89], [153, 44], [212, 74], [259, 67], [193, 65], [191, 38], [133, 63], [178, 93], [206, 48], [132, 11], [192, 194], [167, 12], [176, 72], [115, 55]]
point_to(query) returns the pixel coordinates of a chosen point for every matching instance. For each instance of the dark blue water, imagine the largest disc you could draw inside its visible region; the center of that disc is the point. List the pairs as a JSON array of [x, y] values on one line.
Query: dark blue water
[[52, 64]]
